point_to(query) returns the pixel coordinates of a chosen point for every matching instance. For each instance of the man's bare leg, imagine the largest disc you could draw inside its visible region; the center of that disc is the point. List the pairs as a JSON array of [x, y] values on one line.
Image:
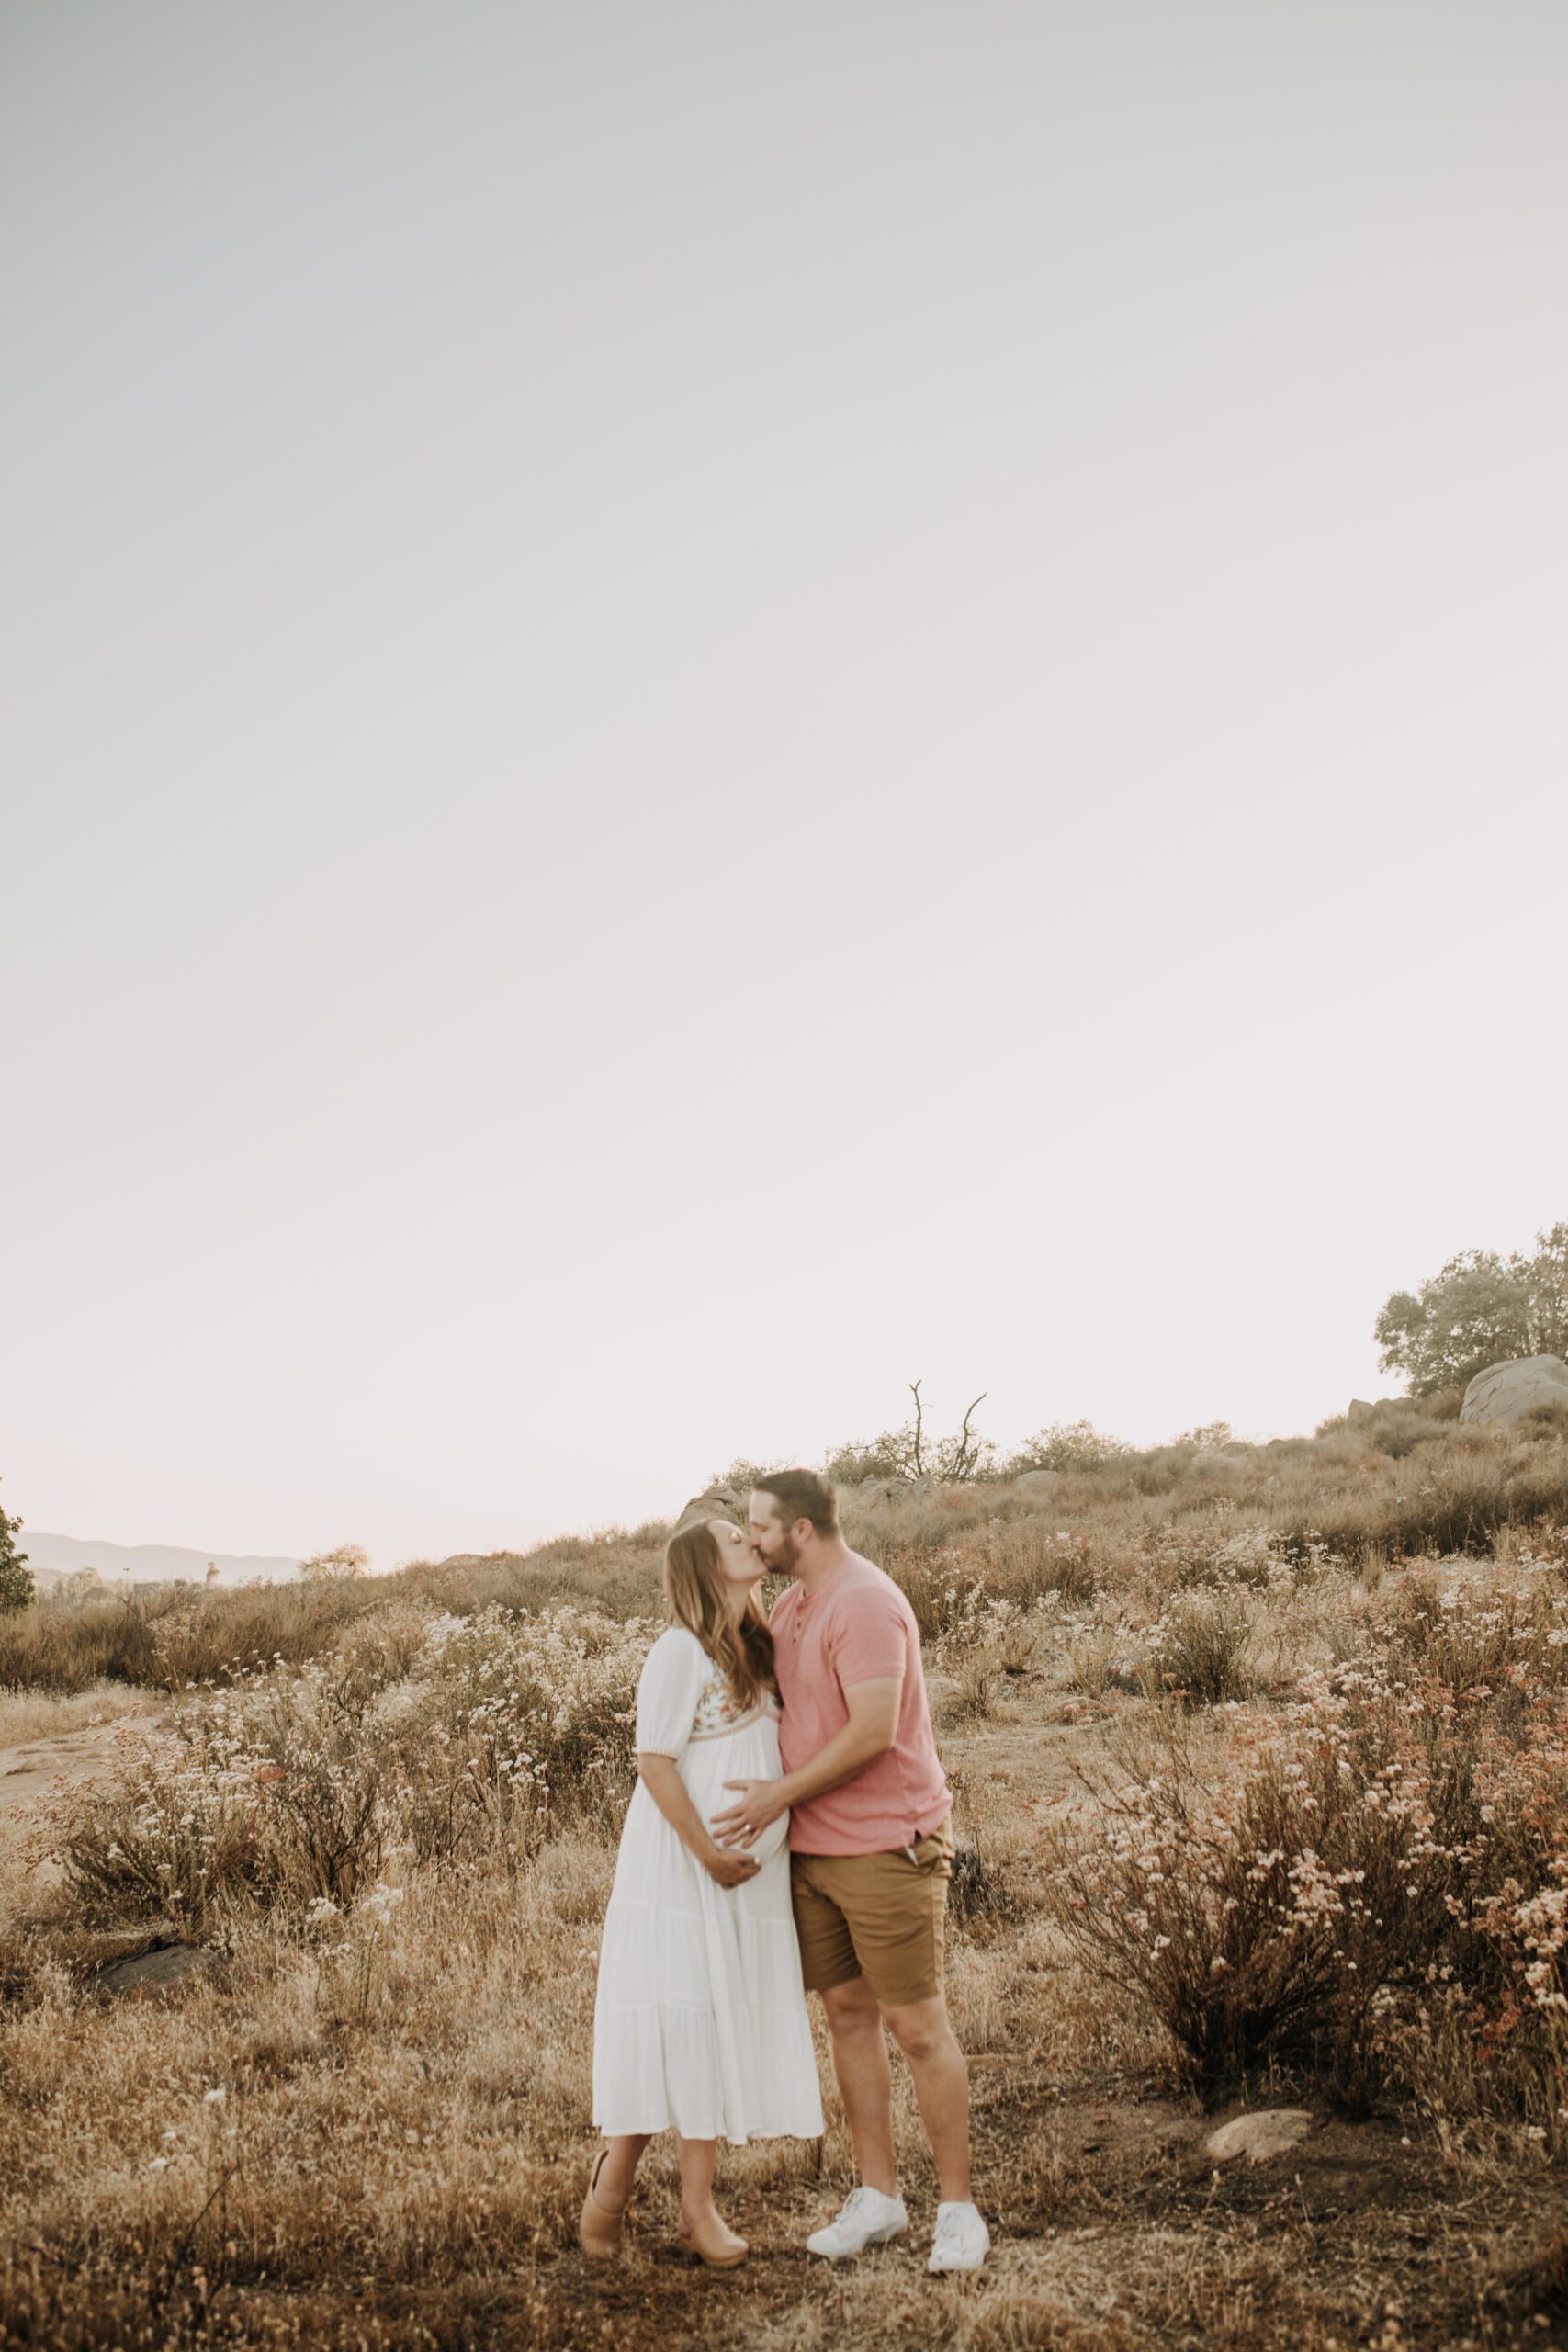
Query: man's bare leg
[[865, 2080], [941, 2077]]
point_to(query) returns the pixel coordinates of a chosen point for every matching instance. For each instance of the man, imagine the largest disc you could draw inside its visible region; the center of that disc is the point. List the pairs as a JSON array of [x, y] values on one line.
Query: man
[[871, 1855]]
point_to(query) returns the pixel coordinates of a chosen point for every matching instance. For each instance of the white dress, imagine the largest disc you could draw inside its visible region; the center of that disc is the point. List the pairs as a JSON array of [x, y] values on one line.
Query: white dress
[[700, 2018]]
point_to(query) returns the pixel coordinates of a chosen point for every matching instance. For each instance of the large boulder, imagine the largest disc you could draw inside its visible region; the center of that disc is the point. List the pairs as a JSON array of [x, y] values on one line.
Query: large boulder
[[1496, 1396]]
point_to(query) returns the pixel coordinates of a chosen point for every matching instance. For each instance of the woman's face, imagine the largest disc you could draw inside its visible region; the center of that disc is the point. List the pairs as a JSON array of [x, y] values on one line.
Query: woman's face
[[737, 1558]]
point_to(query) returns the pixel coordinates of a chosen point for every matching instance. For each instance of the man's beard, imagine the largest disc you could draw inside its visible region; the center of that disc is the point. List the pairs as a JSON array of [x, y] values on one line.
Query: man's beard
[[784, 1559]]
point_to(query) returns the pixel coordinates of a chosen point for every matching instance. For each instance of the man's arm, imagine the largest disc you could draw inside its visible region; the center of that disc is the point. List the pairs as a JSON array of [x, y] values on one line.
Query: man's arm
[[871, 1728]]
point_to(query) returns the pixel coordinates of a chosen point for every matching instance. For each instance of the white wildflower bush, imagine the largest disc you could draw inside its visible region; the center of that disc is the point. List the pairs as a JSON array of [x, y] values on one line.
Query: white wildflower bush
[[528, 1723], [1373, 1867], [177, 1825], [278, 1788], [1225, 1557], [351, 1951], [455, 1742], [975, 1617], [1199, 1650], [1206, 1646], [1038, 1563]]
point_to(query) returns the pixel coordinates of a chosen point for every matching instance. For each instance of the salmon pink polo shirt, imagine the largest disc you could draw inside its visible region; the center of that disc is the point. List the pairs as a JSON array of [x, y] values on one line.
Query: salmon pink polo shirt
[[856, 1627]]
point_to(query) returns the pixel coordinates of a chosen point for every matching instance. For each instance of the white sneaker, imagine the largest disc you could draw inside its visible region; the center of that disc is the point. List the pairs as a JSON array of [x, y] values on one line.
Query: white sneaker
[[866, 2219], [961, 2240]]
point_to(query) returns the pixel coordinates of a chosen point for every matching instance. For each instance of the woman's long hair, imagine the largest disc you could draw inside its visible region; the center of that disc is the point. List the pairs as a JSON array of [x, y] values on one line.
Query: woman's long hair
[[698, 1598]]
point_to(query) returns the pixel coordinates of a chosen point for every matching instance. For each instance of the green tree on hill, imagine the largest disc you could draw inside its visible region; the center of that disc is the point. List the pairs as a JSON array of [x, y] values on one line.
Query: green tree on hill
[[1480, 1309], [16, 1577]]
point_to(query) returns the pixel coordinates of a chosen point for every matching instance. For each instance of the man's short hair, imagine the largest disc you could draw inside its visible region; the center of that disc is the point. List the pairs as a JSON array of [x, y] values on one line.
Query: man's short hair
[[802, 1494]]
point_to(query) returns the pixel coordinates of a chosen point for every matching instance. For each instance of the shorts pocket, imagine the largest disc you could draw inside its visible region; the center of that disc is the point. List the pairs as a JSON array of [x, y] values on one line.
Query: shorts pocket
[[933, 1854]]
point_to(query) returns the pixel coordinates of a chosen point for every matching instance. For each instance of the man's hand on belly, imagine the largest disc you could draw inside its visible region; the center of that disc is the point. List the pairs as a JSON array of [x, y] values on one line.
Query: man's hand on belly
[[759, 1805]]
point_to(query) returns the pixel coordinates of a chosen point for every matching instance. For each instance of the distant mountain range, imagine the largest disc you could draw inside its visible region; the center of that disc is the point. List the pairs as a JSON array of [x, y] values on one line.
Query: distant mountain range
[[53, 1556]]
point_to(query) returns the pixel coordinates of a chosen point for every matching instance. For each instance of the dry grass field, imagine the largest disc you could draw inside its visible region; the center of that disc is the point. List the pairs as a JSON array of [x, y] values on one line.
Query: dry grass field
[[1261, 1770]]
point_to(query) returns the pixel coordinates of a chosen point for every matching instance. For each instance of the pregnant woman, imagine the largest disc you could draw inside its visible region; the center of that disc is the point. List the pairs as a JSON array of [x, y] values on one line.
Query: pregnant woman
[[700, 2022]]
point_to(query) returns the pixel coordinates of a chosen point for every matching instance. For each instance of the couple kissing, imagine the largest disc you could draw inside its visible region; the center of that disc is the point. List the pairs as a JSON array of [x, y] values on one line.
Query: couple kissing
[[790, 1833]]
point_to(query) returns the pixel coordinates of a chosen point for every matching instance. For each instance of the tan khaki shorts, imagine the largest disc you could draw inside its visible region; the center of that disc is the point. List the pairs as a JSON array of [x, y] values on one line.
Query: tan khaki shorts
[[877, 1916]]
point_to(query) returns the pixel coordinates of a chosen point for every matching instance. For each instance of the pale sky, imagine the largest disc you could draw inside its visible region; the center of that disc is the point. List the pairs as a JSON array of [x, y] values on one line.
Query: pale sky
[[707, 708]]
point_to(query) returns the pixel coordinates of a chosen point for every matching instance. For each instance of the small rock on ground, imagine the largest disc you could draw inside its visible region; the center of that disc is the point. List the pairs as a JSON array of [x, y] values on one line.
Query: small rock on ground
[[154, 1973], [1267, 2134]]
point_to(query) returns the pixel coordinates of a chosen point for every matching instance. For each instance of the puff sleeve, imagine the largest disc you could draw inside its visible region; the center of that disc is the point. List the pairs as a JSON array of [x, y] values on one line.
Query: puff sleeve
[[670, 1685]]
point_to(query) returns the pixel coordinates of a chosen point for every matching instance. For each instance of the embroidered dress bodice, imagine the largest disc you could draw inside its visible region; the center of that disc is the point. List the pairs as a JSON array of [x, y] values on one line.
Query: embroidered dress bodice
[[719, 1712]]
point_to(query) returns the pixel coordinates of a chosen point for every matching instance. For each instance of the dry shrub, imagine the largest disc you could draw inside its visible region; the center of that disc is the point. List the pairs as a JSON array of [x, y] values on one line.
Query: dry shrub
[[275, 1789], [1375, 1859], [1471, 1638], [1020, 1567], [936, 1591], [1230, 1557], [293, 1789], [610, 1575], [1098, 1659], [167, 1639], [1455, 1497], [1029, 1561], [979, 1683], [978, 1893], [1201, 1652]]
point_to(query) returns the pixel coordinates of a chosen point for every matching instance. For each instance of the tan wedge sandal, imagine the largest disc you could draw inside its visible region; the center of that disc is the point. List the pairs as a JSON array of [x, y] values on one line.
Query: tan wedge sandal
[[600, 2230], [720, 2248]]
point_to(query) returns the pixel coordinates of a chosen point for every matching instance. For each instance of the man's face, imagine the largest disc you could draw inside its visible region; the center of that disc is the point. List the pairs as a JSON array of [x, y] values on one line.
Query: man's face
[[773, 1542]]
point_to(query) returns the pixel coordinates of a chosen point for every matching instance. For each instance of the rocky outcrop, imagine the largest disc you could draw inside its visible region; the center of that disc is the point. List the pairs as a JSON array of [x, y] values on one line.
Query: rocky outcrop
[[1361, 1412], [879, 1490], [719, 1502], [1496, 1398]]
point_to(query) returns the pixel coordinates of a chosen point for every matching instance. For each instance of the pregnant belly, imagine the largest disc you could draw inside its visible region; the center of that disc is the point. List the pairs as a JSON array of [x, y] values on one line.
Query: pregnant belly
[[772, 1839], [708, 1768]]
